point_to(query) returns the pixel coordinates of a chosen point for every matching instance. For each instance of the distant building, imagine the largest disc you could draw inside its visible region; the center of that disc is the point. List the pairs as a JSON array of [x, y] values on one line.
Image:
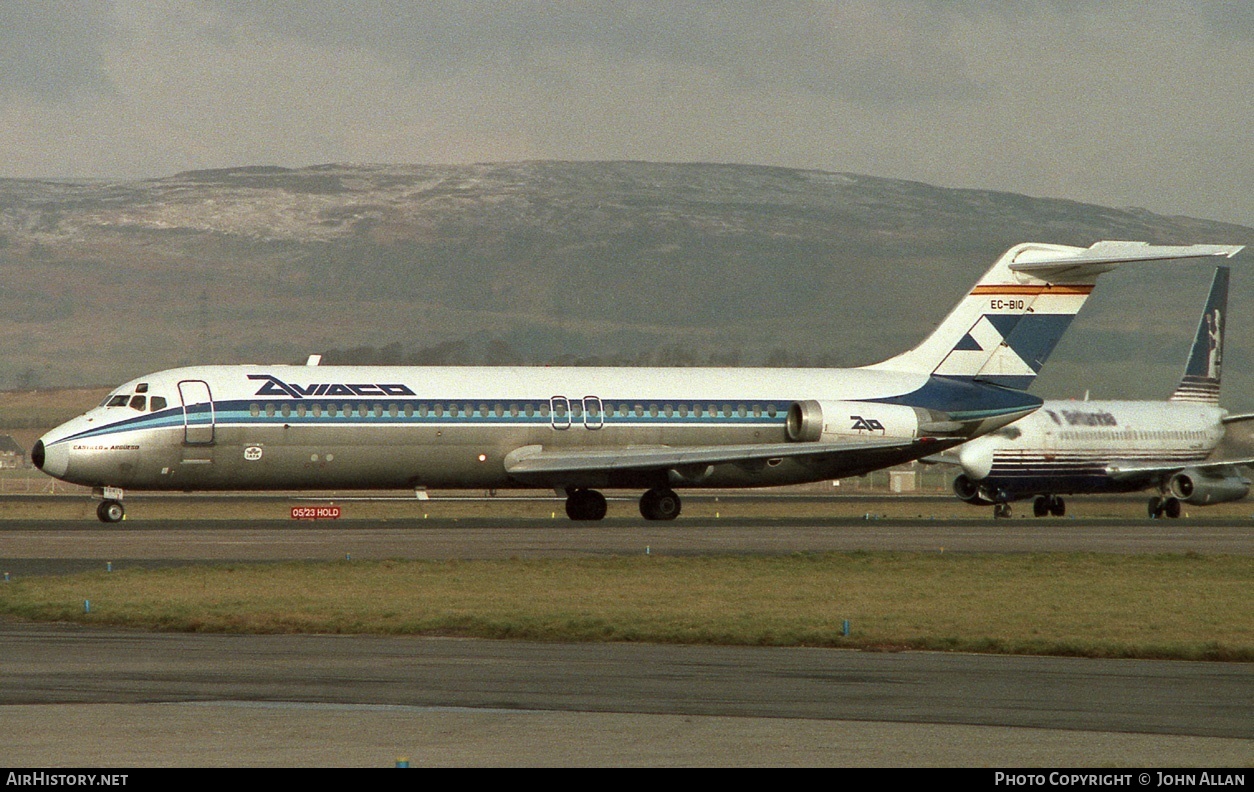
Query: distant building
[[12, 455]]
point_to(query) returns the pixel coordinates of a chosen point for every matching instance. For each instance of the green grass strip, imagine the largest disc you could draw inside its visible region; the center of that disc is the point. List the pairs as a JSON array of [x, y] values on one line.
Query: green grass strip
[[1095, 605]]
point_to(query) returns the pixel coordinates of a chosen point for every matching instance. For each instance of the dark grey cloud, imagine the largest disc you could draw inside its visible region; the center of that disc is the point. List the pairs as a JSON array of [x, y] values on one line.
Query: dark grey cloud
[[819, 47], [1121, 102], [53, 50]]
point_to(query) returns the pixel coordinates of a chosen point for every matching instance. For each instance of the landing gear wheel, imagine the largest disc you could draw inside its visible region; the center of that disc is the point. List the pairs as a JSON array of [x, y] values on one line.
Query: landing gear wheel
[[659, 503], [1040, 506], [1171, 507], [1155, 507], [1001, 510], [1057, 506], [585, 504], [110, 511]]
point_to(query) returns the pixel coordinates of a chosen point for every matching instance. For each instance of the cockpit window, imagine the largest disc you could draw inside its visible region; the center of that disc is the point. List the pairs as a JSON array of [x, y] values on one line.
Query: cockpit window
[[141, 387], [120, 400], [139, 403], [158, 403]]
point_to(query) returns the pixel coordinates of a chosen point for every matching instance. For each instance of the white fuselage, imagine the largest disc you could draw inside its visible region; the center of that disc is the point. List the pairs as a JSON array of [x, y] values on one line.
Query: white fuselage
[[325, 427]]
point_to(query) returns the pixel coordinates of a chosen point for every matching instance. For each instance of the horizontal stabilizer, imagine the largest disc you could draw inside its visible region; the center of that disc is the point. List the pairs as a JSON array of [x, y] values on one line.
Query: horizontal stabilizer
[[1054, 264]]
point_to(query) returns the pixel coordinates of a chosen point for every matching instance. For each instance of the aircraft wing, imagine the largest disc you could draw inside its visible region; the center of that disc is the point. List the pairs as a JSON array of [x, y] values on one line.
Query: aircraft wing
[[1105, 256], [1121, 470], [536, 462], [943, 458]]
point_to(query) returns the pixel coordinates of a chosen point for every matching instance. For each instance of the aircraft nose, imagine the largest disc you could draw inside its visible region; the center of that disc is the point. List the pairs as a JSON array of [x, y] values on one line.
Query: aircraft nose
[[53, 460], [976, 458]]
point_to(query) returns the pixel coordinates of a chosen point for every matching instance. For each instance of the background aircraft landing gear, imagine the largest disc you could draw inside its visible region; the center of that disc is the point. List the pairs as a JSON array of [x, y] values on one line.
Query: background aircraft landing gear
[[585, 504], [659, 503], [1159, 507], [110, 511], [1049, 504], [1001, 510]]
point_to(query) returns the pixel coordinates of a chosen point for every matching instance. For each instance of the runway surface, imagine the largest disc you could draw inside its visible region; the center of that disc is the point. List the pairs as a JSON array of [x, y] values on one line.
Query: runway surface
[[87, 697]]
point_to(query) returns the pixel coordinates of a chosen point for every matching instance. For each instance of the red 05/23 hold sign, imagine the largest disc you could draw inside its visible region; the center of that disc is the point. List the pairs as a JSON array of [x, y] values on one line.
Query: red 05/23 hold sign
[[315, 512]]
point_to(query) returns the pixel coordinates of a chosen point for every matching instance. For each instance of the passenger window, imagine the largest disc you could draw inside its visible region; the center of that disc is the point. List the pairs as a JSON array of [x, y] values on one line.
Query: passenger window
[[286, 410], [317, 410], [254, 410], [139, 403], [269, 410], [156, 403]]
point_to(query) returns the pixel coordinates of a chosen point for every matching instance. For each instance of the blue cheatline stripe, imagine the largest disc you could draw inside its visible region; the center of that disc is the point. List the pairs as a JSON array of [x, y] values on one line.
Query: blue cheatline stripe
[[240, 413]]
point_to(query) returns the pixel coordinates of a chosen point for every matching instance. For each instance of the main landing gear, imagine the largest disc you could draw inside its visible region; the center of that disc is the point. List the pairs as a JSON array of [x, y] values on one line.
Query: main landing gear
[[1042, 506], [585, 504], [659, 503], [1159, 507], [1045, 505]]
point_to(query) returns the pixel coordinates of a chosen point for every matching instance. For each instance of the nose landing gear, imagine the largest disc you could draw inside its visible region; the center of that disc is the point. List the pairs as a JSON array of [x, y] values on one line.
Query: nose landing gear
[[110, 511]]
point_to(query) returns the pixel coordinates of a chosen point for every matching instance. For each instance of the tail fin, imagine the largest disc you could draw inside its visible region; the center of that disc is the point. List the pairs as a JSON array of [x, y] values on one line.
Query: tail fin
[[1201, 374], [1003, 331]]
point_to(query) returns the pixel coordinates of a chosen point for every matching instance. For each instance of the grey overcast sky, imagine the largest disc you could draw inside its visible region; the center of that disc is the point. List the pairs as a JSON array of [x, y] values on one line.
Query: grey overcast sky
[[1146, 103]]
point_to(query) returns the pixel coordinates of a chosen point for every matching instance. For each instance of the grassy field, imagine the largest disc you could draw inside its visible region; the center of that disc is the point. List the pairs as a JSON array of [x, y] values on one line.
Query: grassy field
[[1172, 606]]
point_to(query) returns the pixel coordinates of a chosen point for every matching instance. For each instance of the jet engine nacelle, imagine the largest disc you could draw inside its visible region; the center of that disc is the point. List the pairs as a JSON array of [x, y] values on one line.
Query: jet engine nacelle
[[835, 421], [967, 490], [1194, 486]]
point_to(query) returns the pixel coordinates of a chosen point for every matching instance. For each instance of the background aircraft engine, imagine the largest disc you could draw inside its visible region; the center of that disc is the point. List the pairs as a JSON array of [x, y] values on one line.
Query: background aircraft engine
[[843, 421], [1193, 486], [967, 490]]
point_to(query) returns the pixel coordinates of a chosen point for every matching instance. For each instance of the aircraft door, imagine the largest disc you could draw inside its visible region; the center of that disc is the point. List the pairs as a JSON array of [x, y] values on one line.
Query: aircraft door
[[559, 412], [593, 413], [198, 412]]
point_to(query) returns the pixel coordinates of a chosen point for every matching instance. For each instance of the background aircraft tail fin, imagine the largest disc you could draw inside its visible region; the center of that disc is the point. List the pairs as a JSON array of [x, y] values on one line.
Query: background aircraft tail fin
[[1005, 328], [1200, 382]]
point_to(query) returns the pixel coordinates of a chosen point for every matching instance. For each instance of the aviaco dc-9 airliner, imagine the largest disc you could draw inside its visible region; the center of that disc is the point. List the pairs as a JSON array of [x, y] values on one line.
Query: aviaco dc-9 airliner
[[1118, 446], [579, 430]]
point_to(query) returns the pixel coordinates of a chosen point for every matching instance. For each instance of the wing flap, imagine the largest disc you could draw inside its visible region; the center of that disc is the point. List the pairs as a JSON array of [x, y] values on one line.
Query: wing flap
[[1131, 469], [536, 460]]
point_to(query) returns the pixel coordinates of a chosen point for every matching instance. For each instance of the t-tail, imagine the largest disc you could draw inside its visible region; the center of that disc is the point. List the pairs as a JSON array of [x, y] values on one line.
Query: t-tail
[[1004, 330], [1201, 374]]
